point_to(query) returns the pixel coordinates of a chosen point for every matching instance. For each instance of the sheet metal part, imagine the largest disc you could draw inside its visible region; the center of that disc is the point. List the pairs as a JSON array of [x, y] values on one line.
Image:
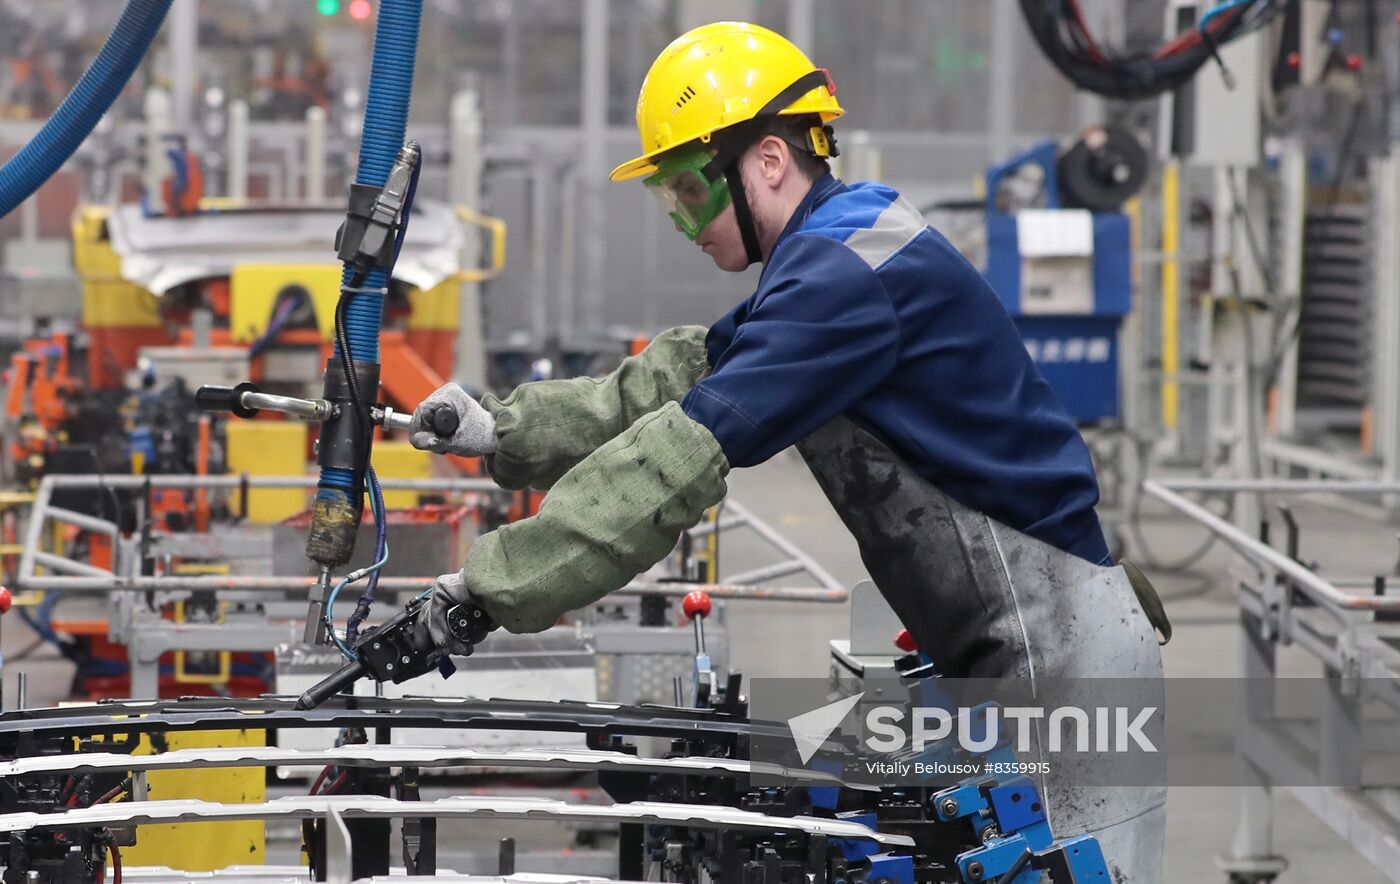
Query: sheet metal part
[[606, 719], [475, 806], [297, 875], [372, 755]]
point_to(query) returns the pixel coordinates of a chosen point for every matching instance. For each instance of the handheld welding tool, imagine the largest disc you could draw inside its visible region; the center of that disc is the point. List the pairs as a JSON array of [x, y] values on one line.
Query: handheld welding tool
[[399, 649]]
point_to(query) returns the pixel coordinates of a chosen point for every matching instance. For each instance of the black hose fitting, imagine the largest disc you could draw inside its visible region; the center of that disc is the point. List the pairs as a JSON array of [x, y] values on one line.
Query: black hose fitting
[[335, 517], [342, 436]]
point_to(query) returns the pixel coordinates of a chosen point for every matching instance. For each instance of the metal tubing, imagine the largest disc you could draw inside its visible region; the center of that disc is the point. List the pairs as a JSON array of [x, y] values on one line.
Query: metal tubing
[[1314, 586], [313, 409], [105, 581], [48, 483], [705, 529], [1281, 486], [69, 566], [33, 529], [785, 546], [82, 520], [768, 572]]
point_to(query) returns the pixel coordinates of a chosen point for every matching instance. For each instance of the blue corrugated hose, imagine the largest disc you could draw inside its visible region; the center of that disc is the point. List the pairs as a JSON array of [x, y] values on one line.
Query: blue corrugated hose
[[386, 120], [85, 105]]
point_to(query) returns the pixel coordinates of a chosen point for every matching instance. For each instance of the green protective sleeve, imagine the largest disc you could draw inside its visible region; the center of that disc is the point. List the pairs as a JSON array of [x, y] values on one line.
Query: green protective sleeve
[[611, 517], [544, 428]]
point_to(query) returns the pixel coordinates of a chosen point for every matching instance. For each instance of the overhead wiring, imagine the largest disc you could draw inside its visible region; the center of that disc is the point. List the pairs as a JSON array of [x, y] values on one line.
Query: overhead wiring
[[1061, 30]]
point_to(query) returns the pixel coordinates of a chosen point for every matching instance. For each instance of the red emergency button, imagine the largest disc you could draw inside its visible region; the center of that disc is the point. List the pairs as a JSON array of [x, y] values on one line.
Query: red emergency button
[[905, 642], [5, 600], [697, 603]]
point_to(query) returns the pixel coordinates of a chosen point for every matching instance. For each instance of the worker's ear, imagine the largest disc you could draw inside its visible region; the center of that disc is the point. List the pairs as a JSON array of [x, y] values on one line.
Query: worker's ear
[[774, 160]]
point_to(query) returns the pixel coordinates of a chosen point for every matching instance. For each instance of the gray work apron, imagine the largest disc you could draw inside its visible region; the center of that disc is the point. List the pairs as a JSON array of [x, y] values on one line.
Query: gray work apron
[[986, 601]]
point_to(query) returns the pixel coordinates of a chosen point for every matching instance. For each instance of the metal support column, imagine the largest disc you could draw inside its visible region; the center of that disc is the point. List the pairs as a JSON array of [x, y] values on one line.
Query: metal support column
[[1293, 176], [315, 154], [1252, 856], [464, 189], [800, 29], [237, 187], [1002, 69], [593, 170], [158, 124], [1385, 276], [183, 33]]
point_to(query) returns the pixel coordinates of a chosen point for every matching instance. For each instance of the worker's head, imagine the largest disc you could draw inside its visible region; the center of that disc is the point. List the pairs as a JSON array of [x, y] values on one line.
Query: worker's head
[[734, 124]]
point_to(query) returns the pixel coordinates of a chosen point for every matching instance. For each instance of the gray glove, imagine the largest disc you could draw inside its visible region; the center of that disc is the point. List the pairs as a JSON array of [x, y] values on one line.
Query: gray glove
[[476, 429], [430, 630]]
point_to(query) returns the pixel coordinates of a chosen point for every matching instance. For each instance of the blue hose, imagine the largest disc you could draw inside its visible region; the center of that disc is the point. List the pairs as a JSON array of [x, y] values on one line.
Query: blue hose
[[386, 121], [91, 97]]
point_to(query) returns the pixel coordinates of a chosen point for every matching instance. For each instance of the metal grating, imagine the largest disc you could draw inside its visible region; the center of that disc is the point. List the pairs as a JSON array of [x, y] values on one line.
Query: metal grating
[[1334, 340]]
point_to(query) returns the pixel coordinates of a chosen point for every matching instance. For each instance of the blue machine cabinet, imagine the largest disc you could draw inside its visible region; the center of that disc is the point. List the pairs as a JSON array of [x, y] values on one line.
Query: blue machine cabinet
[[1076, 350]]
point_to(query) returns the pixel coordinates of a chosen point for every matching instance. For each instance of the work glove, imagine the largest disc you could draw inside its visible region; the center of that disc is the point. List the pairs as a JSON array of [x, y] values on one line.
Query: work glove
[[475, 432], [619, 511], [430, 629], [546, 427]]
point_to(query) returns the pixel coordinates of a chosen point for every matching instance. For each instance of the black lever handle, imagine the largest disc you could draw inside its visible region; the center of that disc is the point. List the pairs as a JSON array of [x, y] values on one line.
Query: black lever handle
[[444, 420], [213, 398]]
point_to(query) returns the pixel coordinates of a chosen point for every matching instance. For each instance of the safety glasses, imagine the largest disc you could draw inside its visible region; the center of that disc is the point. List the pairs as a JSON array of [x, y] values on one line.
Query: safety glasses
[[692, 199]]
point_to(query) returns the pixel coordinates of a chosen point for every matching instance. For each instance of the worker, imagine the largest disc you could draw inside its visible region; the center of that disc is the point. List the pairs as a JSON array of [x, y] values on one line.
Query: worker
[[874, 347]]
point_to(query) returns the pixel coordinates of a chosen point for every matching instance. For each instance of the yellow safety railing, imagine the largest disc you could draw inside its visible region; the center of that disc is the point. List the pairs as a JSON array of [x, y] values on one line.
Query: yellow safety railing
[[497, 228]]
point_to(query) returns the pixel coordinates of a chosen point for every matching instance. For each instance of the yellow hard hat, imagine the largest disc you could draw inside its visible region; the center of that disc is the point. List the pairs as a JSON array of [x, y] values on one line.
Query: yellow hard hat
[[714, 77]]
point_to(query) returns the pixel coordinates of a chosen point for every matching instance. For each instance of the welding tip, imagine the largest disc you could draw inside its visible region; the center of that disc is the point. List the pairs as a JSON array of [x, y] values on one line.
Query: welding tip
[[338, 681], [315, 632]]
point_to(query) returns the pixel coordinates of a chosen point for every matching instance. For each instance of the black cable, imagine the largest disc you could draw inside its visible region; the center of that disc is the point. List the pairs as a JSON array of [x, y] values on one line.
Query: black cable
[[358, 405], [1142, 551], [1015, 868], [358, 408], [1063, 39]]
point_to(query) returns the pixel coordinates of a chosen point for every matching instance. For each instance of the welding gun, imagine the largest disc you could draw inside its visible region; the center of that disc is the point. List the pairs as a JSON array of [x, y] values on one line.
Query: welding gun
[[399, 649]]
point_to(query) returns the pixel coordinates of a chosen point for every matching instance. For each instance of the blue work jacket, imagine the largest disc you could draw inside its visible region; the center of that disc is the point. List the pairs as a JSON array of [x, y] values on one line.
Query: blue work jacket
[[865, 310]]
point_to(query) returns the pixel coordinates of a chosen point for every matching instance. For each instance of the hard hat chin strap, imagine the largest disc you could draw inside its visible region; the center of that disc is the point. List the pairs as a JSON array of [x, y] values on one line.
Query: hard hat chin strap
[[742, 213], [735, 140]]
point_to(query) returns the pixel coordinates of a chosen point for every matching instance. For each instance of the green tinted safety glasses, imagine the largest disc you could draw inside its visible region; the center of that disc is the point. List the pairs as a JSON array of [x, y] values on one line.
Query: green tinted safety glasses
[[692, 199]]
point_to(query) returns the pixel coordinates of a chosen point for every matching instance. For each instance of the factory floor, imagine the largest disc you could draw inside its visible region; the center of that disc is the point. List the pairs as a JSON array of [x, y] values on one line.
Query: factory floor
[[784, 639]]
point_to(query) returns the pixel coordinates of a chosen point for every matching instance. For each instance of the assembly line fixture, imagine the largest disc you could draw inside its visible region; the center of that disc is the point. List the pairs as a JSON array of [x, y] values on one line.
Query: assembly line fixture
[[1349, 627]]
